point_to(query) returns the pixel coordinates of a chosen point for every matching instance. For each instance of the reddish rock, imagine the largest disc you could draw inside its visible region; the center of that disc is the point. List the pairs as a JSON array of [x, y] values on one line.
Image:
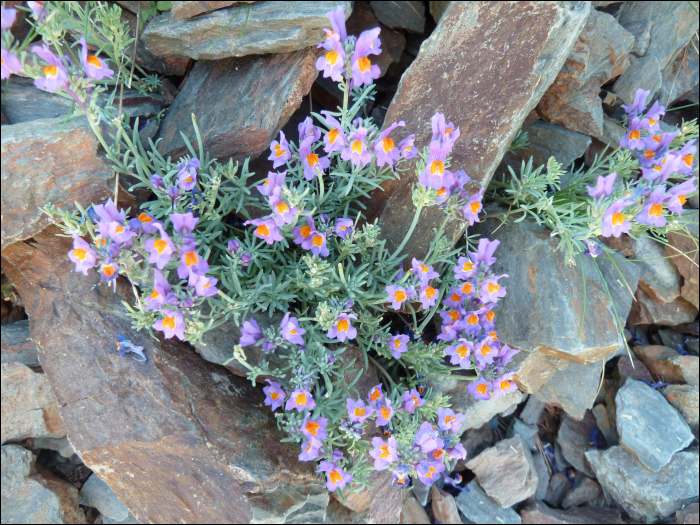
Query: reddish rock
[[540, 513], [574, 390], [686, 243], [444, 506], [585, 490], [42, 164], [238, 126], [534, 370], [668, 366], [630, 366], [518, 50], [647, 311], [684, 398], [558, 487], [412, 511], [190, 9], [16, 344], [688, 515]]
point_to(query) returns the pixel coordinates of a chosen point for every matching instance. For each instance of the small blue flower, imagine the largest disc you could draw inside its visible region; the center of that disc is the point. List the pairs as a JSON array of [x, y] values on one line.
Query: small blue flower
[[125, 346]]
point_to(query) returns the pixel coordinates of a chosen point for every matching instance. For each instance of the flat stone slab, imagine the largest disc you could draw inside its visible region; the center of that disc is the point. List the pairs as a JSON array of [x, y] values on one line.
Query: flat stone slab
[[540, 513], [573, 438], [478, 507], [16, 344], [684, 398], [658, 276], [574, 389]]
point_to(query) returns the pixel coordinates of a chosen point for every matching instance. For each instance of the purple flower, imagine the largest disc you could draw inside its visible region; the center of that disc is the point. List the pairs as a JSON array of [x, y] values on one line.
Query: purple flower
[[485, 251], [109, 271], [310, 450], [408, 151], [603, 186], [342, 329], [274, 395], [384, 413], [157, 181], [460, 353], [652, 213], [356, 150], [187, 174], [654, 115], [301, 400], [457, 452], [398, 345], [234, 245], [38, 10], [82, 255], [266, 229], [398, 295], [8, 17], [443, 133], [160, 249], [455, 298], [55, 75], [640, 101], [203, 286], [94, 66], [337, 19], [656, 146], [464, 269], [246, 259], [411, 401], [435, 175], [472, 208], [184, 222], [10, 63], [363, 71], [302, 234], [487, 317], [283, 213], [375, 396], [429, 471], [307, 131], [614, 222], [669, 165], [633, 138], [384, 452], [423, 271], [485, 353], [343, 227], [146, 222], [313, 164], [336, 477], [428, 296], [401, 477], [358, 412], [686, 165], [279, 151], [191, 262], [173, 193], [173, 324], [317, 243], [162, 292], [504, 385], [291, 331], [506, 354], [335, 139], [480, 389], [593, 248], [427, 438], [676, 195], [333, 62], [491, 291], [448, 420], [384, 148], [250, 333], [274, 181], [314, 429]]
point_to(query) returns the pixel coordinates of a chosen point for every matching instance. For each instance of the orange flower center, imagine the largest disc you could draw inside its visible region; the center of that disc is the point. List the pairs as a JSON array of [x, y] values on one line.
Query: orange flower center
[[388, 145], [454, 315], [681, 199], [312, 159], [430, 292], [332, 57], [119, 229], [282, 208], [437, 168], [648, 154], [374, 394], [279, 151], [617, 218], [475, 206], [51, 71], [467, 267], [262, 230], [108, 270], [399, 296], [359, 412], [274, 396], [385, 451], [333, 135], [490, 315], [493, 287], [144, 217], [80, 254], [652, 121], [169, 322], [335, 476], [397, 344], [656, 210], [485, 350], [312, 428], [364, 64], [688, 160], [466, 288], [305, 231], [160, 245], [634, 135], [191, 259], [356, 147], [317, 240], [343, 325], [505, 385], [385, 412], [155, 294], [450, 419], [462, 352], [657, 138], [473, 319], [482, 388], [438, 453], [301, 399], [94, 61]]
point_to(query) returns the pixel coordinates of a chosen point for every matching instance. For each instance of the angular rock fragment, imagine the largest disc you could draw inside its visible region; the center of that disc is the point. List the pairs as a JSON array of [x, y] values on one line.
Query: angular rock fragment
[[680, 76], [29, 408], [688, 515], [409, 15], [585, 490], [543, 476], [190, 9], [444, 506], [637, 20], [506, 471], [633, 368], [607, 428], [237, 126], [541, 513], [16, 344], [649, 427], [99, 495], [647, 311], [686, 243], [527, 432], [478, 507], [684, 398], [478, 411], [646, 496], [489, 107], [558, 487], [532, 370], [437, 9], [668, 366], [658, 277], [44, 162], [270, 27], [643, 73], [413, 512], [475, 441], [533, 411], [599, 54], [574, 438], [574, 389]]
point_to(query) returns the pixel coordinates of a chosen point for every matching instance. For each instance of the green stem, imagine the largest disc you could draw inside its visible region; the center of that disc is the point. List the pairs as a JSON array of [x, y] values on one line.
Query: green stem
[[381, 369], [409, 233]]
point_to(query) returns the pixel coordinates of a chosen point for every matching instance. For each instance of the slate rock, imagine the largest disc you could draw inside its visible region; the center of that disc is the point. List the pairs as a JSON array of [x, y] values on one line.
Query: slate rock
[[527, 432], [479, 411], [574, 389], [421, 491], [475, 441], [680, 76], [684, 398], [29, 407], [540, 513], [543, 476], [60, 445], [44, 162], [191, 9], [241, 126], [646, 496], [585, 490], [631, 367], [489, 107], [605, 425], [558, 487], [99, 495], [650, 428], [478, 507], [533, 369], [135, 424], [413, 512], [688, 515], [506, 471], [437, 9], [647, 311], [658, 277], [548, 140], [533, 411], [444, 506], [637, 21], [270, 28], [686, 243], [668, 366], [16, 344], [599, 54], [574, 438], [130, 520], [409, 15], [32, 497], [643, 73]]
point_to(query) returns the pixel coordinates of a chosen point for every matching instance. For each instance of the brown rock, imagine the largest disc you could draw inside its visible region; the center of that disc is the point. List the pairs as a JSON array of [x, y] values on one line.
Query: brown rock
[[16, 344], [558, 487], [506, 471], [668, 366], [574, 438], [605, 425], [647, 311], [42, 164], [686, 243], [243, 126], [688, 515], [629, 366], [190, 9], [574, 389], [475, 441], [599, 54], [585, 490], [540, 513], [534, 369], [413, 512], [444, 507], [658, 277], [507, 43], [136, 424], [684, 398], [29, 408]]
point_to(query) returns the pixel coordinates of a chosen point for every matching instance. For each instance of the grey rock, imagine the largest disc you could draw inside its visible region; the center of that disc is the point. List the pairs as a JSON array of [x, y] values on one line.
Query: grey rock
[[574, 389], [548, 140], [478, 507], [489, 107], [586, 515], [506, 471], [607, 428], [476, 440], [680, 76], [658, 276], [100, 496], [438, 8], [60, 445], [478, 411], [533, 411], [650, 428], [542, 476], [270, 27], [643, 73], [558, 487], [637, 19], [684, 398], [16, 344], [130, 520], [191, 9], [527, 432], [421, 491], [534, 369], [573, 438], [409, 15], [238, 127], [671, 339], [646, 496], [585, 490]]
